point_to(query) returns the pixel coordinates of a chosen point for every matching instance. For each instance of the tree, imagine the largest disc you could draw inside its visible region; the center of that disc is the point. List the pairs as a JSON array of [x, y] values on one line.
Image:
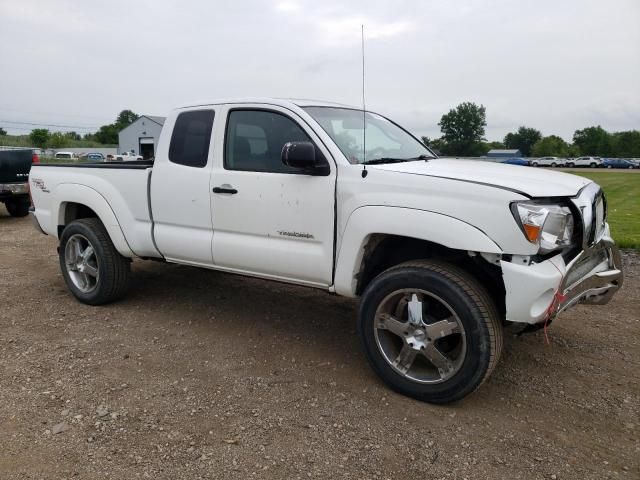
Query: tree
[[58, 140], [107, 134], [551, 146], [498, 145], [437, 144], [463, 129], [626, 144], [593, 141], [72, 136], [2, 132], [39, 137], [523, 139], [126, 118]]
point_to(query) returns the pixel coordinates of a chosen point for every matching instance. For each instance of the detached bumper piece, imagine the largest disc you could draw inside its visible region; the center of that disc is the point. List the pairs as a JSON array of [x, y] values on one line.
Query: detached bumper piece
[[593, 277]]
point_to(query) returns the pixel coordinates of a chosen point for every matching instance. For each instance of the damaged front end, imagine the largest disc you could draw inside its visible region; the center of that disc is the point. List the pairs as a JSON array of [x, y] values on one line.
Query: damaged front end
[[537, 291]]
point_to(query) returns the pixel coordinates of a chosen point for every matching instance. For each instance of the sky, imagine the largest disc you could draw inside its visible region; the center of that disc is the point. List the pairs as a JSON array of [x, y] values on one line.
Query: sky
[[554, 65]]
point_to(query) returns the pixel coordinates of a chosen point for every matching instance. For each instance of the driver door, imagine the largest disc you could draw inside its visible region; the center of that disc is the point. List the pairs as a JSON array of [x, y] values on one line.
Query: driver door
[[269, 219]]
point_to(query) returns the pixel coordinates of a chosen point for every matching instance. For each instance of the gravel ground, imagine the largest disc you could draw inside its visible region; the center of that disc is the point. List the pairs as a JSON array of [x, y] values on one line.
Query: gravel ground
[[199, 374]]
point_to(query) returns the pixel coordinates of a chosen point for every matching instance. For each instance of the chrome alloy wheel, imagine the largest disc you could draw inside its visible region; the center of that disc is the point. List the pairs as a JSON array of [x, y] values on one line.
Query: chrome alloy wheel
[[82, 263], [420, 336]]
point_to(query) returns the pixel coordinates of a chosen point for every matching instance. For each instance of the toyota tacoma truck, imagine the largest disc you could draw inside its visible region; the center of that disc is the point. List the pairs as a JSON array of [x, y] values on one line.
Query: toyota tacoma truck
[[441, 253], [15, 164]]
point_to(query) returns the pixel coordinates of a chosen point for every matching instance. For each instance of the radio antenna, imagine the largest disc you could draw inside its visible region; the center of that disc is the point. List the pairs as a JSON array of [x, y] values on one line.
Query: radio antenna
[[364, 113]]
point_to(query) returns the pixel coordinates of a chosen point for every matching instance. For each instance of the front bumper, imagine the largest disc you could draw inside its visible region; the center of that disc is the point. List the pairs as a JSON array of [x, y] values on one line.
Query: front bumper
[[538, 292]]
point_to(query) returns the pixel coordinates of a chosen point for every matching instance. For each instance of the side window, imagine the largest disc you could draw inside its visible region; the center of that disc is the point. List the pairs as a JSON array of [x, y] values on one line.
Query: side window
[[190, 138], [255, 138]]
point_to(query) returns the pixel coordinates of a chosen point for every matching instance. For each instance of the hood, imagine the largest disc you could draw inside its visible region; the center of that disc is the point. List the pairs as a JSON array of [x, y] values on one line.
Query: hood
[[531, 181]]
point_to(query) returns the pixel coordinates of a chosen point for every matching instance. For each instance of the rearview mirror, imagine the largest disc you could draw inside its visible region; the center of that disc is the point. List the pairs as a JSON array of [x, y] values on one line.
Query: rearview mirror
[[299, 155]]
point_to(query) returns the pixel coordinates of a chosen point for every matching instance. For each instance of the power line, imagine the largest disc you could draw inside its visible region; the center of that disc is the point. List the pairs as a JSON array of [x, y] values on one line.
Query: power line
[[84, 127]]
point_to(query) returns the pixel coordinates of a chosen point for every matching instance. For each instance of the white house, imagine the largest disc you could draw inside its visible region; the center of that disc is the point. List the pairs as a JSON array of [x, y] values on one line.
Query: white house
[[141, 137]]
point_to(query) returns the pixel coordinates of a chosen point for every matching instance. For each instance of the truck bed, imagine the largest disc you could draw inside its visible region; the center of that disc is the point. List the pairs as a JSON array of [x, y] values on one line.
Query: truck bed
[[119, 190]]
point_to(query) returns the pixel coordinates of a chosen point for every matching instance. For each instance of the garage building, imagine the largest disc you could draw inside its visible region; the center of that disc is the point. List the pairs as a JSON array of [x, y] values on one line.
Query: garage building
[[141, 137]]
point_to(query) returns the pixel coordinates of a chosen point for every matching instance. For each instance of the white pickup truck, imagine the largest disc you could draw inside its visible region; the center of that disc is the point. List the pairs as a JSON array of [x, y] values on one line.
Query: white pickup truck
[[441, 252]]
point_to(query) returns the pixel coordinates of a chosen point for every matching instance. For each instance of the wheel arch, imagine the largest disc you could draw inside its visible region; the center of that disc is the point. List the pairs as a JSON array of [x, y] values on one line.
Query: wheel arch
[[371, 244], [73, 201]]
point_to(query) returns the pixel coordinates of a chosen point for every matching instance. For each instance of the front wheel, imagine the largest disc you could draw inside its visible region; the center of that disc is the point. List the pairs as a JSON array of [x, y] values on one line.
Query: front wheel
[[92, 267], [430, 330], [593, 165]]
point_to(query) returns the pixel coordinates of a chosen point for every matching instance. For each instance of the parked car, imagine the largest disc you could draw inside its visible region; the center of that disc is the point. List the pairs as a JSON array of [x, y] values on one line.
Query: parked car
[[127, 157], [592, 162], [282, 190], [93, 157], [65, 155], [548, 162], [15, 165], [618, 163], [516, 161]]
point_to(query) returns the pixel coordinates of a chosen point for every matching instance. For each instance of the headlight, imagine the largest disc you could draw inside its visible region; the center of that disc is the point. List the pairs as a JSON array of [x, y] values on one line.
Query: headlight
[[547, 225]]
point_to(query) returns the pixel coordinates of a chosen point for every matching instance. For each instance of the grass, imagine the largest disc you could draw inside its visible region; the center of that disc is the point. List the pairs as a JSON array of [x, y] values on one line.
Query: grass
[[622, 190]]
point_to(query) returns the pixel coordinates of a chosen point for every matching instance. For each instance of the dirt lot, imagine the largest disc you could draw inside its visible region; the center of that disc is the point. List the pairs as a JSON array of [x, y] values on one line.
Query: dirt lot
[[200, 374]]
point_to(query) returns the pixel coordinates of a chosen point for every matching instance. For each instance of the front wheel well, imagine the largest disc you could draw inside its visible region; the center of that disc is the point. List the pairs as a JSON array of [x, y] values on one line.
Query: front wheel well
[[74, 211], [383, 251]]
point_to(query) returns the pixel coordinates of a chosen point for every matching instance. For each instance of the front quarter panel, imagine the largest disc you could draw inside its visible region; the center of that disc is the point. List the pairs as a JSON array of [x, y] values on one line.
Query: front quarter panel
[[420, 224]]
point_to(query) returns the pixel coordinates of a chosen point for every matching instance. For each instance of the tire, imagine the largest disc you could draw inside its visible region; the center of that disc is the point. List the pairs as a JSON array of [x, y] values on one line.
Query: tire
[[609, 166], [553, 165], [571, 165], [534, 164], [17, 208], [472, 351], [593, 165], [94, 277]]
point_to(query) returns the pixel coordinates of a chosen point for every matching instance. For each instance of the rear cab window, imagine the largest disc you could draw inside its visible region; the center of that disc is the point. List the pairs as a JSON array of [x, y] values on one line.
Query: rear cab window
[[191, 137]]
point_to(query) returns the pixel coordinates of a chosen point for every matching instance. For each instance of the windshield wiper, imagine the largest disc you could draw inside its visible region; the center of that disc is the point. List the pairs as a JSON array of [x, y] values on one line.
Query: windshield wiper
[[376, 161]]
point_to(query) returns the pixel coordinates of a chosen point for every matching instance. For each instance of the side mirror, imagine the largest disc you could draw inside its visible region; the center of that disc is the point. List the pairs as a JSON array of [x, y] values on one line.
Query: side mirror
[[299, 155]]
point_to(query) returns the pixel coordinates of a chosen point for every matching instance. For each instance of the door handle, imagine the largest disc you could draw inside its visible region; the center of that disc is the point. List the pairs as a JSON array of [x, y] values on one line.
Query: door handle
[[225, 189]]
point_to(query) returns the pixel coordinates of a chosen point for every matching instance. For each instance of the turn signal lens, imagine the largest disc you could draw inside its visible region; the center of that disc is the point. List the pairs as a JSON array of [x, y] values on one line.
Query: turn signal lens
[[532, 232]]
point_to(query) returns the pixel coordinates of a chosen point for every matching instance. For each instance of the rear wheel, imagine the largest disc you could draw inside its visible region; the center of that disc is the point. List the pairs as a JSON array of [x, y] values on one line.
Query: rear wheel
[[92, 267], [553, 165], [18, 208], [430, 331], [571, 165], [534, 164], [593, 165]]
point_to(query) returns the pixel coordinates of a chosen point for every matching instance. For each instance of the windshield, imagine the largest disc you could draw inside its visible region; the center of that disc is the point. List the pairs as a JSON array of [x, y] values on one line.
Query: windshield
[[386, 141]]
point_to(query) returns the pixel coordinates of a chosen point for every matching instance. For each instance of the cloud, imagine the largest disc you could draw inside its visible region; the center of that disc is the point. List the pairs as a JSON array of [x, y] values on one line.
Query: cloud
[[288, 6], [555, 66], [341, 27]]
